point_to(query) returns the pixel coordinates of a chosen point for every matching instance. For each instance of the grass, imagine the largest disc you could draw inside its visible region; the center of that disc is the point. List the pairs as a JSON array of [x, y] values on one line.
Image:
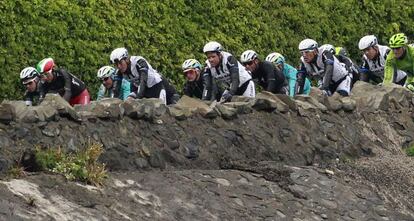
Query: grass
[[410, 151], [80, 166]]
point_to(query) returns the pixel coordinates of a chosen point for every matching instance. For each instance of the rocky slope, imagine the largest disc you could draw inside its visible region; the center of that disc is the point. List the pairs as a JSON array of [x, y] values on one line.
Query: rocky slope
[[271, 158]]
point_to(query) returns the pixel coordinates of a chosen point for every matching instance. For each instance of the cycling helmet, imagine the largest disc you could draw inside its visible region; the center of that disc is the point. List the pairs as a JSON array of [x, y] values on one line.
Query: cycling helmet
[[328, 47], [398, 40], [45, 66], [105, 71], [367, 41], [248, 56], [308, 44], [118, 54], [275, 58], [212, 46], [191, 64], [28, 74], [341, 51]]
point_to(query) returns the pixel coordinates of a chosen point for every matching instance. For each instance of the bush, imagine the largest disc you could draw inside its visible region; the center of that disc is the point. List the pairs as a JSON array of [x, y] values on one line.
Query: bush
[[410, 151], [81, 166], [80, 34]]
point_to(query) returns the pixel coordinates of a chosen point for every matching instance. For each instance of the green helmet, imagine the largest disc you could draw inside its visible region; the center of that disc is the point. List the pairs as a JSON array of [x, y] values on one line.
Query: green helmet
[[398, 40]]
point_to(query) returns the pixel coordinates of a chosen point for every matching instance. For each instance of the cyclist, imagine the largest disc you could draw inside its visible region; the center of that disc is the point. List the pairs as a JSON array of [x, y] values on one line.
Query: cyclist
[[266, 75], [108, 76], [373, 59], [30, 78], [290, 73], [399, 66], [323, 66], [224, 67], [146, 82], [60, 81]]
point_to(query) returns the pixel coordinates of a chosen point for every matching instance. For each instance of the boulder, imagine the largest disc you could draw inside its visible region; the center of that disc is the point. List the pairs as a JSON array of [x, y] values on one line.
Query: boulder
[[371, 98], [61, 106], [146, 108], [269, 102], [241, 107], [189, 106], [226, 112], [108, 108]]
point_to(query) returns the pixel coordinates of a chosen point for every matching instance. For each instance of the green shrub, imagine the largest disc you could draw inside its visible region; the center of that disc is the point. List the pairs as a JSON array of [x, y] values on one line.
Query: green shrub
[[80, 34], [410, 151], [81, 166]]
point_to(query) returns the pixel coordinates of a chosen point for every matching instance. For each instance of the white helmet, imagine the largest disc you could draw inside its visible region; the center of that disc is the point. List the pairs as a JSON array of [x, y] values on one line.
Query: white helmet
[[367, 41], [308, 44], [118, 54], [275, 58], [212, 46], [248, 56], [191, 64], [328, 47], [28, 74], [105, 71]]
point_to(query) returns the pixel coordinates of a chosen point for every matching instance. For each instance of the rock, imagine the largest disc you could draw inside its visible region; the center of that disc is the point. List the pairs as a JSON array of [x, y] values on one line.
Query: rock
[[288, 100], [108, 108], [371, 98], [226, 112], [333, 103], [192, 148], [269, 102], [308, 103], [45, 113], [241, 107], [157, 161], [6, 113], [241, 99], [189, 106], [146, 108], [178, 113], [348, 104], [61, 106]]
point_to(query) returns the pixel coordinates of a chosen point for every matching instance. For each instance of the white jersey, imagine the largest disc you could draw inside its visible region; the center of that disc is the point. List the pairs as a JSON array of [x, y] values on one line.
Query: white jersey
[[153, 76], [376, 66], [317, 70], [222, 73]]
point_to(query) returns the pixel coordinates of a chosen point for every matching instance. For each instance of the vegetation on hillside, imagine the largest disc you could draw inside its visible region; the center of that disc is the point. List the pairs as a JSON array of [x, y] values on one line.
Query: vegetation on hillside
[[80, 34]]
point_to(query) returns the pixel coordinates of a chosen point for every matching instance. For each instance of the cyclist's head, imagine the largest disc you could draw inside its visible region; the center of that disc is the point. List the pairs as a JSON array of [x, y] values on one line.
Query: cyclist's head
[[45, 66], [328, 47], [212, 46], [191, 69], [191, 64], [367, 42], [105, 74], [248, 56], [213, 51], [118, 54], [29, 77], [309, 49], [105, 71], [276, 58], [398, 40]]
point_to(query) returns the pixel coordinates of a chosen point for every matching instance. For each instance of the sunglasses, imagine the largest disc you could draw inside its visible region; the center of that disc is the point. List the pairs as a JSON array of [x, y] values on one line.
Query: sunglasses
[[28, 83], [396, 49], [105, 78], [248, 63], [189, 71], [307, 51]]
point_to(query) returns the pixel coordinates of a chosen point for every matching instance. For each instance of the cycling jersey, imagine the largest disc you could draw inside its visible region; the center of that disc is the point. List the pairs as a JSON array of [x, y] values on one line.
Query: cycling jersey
[[270, 78], [327, 69], [394, 66], [143, 77], [373, 70], [63, 83], [123, 90], [230, 72]]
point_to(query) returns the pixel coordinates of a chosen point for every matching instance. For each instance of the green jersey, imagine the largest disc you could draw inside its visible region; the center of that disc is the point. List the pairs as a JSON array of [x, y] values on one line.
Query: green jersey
[[406, 64]]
